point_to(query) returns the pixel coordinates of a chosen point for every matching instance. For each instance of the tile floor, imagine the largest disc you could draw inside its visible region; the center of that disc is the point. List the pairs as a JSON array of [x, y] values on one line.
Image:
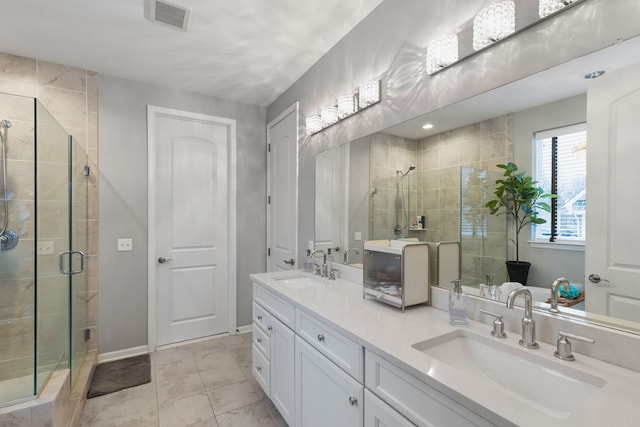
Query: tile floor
[[207, 383]]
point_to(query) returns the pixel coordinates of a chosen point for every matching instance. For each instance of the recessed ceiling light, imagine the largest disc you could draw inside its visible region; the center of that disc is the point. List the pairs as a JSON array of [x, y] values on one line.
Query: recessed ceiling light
[[594, 74], [427, 126]]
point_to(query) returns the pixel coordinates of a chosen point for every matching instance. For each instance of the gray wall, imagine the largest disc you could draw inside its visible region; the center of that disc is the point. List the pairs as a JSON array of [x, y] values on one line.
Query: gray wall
[[547, 264], [123, 201], [390, 45]]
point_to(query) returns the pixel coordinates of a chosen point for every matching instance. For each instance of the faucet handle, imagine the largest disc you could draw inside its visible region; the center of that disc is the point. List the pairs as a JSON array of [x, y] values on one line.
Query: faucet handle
[[563, 350], [498, 324]]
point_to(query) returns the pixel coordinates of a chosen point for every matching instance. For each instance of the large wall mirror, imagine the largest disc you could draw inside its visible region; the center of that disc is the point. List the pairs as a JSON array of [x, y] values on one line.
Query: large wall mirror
[[432, 184]]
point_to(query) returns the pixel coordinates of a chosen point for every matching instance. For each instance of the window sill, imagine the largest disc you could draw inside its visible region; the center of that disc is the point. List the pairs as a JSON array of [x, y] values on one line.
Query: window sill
[[564, 245]]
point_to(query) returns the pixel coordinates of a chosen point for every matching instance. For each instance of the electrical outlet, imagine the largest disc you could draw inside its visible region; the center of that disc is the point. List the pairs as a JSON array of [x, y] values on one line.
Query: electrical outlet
[[45, 247], [125, 245], [311, 247], [358, 236]]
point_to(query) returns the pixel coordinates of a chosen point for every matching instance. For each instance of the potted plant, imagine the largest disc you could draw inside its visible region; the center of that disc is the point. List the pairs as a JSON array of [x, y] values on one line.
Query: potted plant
[[518, 197]]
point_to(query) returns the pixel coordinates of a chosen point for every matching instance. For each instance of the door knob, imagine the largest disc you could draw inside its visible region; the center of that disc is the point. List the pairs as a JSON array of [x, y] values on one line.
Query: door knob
[[594, 278], [290, 261], [162, 260]]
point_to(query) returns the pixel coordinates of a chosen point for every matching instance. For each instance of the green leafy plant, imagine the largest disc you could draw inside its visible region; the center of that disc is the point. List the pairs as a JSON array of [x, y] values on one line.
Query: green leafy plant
[[518, 197]]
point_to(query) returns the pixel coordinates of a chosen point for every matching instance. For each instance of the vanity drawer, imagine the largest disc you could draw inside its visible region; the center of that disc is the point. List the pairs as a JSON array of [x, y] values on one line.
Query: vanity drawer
[[420, 403], [341, 350], [261, 340], [261, 317], [277, 306], [261, 370]]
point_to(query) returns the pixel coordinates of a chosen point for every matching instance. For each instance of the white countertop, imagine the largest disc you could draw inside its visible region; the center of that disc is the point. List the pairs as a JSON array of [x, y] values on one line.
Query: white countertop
[[390, 333]]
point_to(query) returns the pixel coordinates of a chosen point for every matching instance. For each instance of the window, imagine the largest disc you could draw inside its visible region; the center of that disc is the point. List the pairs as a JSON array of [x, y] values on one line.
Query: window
[[563, 150]]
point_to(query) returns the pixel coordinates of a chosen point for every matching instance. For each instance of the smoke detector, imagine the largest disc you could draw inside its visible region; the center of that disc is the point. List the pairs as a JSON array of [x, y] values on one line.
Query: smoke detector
[[166, 13]]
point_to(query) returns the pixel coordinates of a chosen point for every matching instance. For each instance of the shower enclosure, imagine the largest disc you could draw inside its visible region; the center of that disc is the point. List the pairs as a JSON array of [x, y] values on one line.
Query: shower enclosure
[[43, 219], [452, 201]]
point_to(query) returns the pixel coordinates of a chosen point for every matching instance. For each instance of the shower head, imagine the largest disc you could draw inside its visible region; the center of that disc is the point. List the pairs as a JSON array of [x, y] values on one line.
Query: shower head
[[5, 124], [412, 167]]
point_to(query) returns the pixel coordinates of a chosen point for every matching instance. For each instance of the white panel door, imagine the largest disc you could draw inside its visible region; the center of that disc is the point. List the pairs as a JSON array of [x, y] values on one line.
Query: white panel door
[[613, 235], [282, 207], [191, 226]]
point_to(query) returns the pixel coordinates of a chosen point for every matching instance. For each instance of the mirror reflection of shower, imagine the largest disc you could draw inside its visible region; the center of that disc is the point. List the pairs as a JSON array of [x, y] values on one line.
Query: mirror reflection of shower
[[8, 238], [402, 209]]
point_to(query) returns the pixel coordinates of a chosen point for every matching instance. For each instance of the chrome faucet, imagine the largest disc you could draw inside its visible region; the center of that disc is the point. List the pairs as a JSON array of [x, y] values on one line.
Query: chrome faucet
[[345, 257], [554, 292], [528, 324], [322, 270]]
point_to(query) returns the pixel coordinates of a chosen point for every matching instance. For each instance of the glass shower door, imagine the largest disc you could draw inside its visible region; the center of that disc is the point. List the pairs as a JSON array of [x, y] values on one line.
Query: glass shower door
[[52, 238], [79, 294]]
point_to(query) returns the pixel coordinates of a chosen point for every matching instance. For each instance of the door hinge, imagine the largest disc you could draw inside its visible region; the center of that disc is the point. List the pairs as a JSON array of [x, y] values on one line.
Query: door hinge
[[268, 251], [268, 200], [269, 148], [86, 171]]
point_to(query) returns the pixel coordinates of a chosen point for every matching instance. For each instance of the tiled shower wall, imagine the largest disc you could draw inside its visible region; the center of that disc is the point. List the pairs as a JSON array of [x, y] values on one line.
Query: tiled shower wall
[[435, 186], [71, 96]]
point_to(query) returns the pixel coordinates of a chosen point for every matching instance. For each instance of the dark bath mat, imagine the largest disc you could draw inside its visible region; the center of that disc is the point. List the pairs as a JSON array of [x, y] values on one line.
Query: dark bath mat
[[113, 376]]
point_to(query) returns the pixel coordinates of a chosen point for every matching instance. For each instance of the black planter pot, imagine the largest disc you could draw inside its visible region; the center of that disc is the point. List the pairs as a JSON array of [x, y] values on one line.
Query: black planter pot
[[518, 271]]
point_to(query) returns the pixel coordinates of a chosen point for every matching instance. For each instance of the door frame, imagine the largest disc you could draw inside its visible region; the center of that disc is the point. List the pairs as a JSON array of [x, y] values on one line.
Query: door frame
[[152, 113], [294, 108]]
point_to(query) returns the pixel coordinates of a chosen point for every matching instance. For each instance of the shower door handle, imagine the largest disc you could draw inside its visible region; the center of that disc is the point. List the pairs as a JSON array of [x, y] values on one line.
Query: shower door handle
[[61, 263]]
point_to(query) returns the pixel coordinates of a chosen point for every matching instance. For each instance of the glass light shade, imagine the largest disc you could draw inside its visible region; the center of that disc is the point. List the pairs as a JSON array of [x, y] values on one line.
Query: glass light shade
[[369, 93], [328, 116], [547, 7], [493, 23], [442, 52], [314, 124], [346, 106]]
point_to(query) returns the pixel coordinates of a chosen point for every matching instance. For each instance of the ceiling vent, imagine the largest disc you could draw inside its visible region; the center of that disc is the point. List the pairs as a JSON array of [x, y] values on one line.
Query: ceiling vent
[[167, 13]]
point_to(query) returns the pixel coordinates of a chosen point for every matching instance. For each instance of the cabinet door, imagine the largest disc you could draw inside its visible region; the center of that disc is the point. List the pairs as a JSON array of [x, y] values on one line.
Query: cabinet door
[[379, 414], [325, 394], [282, 369]]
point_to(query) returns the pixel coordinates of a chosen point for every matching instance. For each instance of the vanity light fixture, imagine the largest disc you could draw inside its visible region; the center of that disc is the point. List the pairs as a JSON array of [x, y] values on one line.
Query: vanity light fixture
[[347, 105], [314, 124], [547, 7], [328, 116], [442, 52], [369, 94], [427, 126], [493, 23]]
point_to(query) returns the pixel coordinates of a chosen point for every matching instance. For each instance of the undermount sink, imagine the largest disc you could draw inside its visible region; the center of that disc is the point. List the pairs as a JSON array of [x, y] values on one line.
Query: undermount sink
[[552, 388], [299, 282]]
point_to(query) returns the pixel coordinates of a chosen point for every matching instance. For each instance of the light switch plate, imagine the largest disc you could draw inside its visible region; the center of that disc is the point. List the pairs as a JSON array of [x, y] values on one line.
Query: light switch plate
[[358, 236], [125, 245]]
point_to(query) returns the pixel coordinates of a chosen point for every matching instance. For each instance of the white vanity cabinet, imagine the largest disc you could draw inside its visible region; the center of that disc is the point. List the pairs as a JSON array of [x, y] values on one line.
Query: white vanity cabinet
[[415, 400], [326, 395], [378, 414], [273, 350]]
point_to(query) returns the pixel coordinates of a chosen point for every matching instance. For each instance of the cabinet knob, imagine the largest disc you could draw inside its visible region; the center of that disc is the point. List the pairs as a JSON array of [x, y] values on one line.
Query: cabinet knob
[[353, 401], [269, 328], [320, 337], [259, 317], [259, 368], [259, 340]]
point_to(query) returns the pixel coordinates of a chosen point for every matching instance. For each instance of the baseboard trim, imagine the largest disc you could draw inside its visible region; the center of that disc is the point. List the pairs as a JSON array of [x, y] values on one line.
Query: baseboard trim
[[244, 329], [122, 354]]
